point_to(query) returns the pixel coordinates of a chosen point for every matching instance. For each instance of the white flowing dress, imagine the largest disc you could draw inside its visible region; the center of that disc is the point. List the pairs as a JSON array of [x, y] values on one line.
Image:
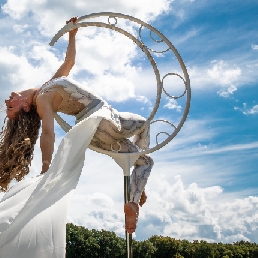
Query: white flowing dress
[[33, 212]]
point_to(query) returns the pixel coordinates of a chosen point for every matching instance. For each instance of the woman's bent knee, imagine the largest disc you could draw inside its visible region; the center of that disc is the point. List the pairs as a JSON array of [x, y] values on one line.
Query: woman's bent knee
[[145, 160]]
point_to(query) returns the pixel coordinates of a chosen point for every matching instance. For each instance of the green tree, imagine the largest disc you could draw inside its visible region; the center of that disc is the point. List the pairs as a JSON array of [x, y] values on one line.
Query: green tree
[[202, 249], [81, 243], [186, 250], [166, 247], [143, 249]]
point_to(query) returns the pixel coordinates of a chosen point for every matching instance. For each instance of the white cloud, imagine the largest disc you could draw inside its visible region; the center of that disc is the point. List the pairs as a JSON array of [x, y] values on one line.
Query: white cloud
[[96, 198], [191, 213], [19, 28], [105, 51], [248, 111], [174, 210], [254, 47], [186, 36], [113, 88], [222, 74], [45, 12], [253, 110], [225, 76], [104, 57], [172, 104], [227, 92], [112, 76], [196, 139], [144, 100], [96, 216], [17, 71]]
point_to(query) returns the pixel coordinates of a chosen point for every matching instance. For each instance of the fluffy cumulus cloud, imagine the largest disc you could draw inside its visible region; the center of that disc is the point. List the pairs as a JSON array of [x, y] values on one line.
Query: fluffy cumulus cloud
[[111, 70], [105, 56], [45, 12], [113, 88], [104, 46], [245, 218], [172, 104], [225, 76], [186, 211], [17, 70], [98, 211], [221, 75], [175, 210]]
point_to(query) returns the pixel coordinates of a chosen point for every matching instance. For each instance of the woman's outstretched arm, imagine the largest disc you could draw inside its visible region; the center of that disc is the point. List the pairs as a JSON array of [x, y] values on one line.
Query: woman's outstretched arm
[[69, 61], [47, 138]]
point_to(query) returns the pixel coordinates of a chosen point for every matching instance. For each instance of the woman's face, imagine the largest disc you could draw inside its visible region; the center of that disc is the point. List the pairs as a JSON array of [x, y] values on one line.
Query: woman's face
[[14, 105]]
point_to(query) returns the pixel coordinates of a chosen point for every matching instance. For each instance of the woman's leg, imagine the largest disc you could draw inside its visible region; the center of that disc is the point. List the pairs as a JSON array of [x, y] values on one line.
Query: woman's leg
[[108, 137], [145, 163], [139, 177]]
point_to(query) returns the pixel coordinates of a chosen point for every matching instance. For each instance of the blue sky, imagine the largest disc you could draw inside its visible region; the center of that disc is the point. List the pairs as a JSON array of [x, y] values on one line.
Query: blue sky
[[204, 183]]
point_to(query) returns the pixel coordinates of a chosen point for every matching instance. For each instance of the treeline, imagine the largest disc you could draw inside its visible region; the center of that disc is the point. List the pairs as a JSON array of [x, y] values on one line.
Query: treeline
[[82, 242]]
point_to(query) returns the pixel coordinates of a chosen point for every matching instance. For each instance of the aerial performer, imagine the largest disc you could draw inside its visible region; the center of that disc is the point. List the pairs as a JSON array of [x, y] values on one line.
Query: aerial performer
[[28, 110]]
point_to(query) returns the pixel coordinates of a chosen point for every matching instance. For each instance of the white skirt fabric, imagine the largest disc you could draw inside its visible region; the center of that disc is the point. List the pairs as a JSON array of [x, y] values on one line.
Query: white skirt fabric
[[33, 212]]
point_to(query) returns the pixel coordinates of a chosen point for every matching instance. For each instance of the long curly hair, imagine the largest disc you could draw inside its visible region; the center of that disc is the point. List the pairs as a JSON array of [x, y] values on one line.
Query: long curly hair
[[17, 140]]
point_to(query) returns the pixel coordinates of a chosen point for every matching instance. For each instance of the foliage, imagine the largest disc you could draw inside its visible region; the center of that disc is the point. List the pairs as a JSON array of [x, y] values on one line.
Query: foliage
[[82, 242], [166, 246], [143, 249]]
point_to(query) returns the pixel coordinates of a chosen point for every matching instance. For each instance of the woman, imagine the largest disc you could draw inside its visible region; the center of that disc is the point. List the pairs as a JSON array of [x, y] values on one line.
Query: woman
[[27, 108]]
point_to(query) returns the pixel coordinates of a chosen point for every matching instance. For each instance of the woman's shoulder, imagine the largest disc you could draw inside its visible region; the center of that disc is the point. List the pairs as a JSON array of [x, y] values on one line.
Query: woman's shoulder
[[48, 99], [51, 82], [71, 86]]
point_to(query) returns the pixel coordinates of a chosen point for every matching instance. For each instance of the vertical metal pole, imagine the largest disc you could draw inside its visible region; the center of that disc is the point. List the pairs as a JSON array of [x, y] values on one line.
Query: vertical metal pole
[[128, 237]]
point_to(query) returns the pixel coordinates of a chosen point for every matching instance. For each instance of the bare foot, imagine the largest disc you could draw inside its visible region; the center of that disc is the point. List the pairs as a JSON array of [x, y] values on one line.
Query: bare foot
[[131, 210], [143, 198]]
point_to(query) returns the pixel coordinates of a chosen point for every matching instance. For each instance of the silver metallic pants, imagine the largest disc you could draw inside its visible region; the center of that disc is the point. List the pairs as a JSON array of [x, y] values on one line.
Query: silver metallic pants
[[108, 137]]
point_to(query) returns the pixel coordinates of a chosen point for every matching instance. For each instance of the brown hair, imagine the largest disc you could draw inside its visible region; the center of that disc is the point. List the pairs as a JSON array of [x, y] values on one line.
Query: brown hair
[[17, 140]]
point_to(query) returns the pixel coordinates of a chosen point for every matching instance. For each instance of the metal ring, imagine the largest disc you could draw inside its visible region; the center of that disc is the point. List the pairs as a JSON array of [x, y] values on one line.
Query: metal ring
[[111, 146], [110, 17]]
